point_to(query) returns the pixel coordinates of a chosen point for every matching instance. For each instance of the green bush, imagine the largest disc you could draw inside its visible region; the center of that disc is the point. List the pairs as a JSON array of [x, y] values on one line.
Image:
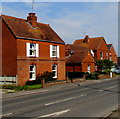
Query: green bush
[[20, 88], [93, 76], [33, 82], [107, 71], [8, 87], [47, 76]]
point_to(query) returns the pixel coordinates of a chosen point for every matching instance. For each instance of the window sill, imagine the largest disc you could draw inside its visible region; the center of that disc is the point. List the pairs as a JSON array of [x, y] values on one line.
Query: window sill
[[31, 79], [55, 77], [54, 57], [32, 56]]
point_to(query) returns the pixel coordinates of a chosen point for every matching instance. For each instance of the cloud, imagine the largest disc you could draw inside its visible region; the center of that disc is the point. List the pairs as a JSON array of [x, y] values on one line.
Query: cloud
[[71, 21], [96, 23]]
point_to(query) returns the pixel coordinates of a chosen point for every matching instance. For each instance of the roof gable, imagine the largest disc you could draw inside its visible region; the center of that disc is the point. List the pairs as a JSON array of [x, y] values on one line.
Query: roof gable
[[109, 46], [21, 28], [89, 58], [93, 43], [78, 55]]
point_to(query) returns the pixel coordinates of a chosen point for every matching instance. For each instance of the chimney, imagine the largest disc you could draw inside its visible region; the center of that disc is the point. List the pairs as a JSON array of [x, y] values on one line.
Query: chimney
[[32, 19], [86, 39]]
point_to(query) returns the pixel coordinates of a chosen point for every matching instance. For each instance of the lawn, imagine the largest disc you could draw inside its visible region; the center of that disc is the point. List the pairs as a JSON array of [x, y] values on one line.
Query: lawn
[[22, 88]]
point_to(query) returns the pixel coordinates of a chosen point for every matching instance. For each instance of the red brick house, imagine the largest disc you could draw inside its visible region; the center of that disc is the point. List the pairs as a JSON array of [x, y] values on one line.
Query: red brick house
[[112, 54], [79, 59], [29, 48], [97, 46]]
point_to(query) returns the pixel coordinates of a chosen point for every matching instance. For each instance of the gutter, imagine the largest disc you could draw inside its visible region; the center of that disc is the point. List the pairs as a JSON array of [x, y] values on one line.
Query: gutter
[[39, 40]]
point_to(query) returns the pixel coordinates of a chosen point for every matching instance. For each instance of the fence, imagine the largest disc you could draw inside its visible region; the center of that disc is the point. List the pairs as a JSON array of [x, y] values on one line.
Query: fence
[[8, 80]]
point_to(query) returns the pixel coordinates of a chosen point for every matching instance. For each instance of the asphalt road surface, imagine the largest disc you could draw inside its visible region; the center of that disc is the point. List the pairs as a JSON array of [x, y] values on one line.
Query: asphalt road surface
[[92, 100]]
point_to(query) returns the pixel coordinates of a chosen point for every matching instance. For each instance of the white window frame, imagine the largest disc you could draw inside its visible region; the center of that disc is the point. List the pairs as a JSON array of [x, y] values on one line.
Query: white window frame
[[88, 68], [35, 50], [101, 55], [107, 55], [56, 50], [55, 70], [33, 72], [92, 52], [110, 57]]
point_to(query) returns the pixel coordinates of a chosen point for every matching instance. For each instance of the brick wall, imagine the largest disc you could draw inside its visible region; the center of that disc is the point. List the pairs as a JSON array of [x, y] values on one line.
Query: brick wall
[[102, 48], [113, 55], [15, 61], [85, 67], [43, 62], [75, 68], [88, 60], [9, 52]]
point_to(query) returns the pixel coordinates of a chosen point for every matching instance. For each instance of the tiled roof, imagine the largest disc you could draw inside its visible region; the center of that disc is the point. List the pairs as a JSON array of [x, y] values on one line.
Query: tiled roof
[[78, 53], [21, 28], [93, 43], [109, 46]]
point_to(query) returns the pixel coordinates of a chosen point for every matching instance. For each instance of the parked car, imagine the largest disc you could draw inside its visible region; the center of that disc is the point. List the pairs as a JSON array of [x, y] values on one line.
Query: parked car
[[114, 70]]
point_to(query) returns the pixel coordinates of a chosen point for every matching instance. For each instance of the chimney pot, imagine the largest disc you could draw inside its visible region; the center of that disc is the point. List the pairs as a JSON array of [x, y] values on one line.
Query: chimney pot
[[86, 39], [32, 19]]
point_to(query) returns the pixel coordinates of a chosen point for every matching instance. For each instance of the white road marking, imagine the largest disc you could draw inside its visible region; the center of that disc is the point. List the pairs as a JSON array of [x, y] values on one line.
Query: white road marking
[[55, 113], [111, 87], [65, 99], [100, 90], [6, 114], [60, 101], [83, 95]]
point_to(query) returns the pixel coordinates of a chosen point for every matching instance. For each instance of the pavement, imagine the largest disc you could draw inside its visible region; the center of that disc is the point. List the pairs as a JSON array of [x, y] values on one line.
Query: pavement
[[115, 113], [12, 93]]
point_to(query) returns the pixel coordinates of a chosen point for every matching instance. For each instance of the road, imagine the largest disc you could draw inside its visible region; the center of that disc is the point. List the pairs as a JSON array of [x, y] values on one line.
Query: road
[[92, 100]]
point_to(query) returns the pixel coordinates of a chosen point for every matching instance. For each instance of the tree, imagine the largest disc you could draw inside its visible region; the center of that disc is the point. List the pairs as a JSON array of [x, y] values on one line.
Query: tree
[[104, 64]]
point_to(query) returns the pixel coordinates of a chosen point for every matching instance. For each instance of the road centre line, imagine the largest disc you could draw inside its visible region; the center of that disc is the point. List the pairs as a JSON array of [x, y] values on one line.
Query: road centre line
[[111, 87], [65, 99], [76, 96], [6, 114], [54, 114], [101, 90], [83, 95]]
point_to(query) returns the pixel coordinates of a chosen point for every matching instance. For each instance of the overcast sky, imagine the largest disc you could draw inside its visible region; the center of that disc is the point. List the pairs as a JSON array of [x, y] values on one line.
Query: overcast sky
[[71, 20]]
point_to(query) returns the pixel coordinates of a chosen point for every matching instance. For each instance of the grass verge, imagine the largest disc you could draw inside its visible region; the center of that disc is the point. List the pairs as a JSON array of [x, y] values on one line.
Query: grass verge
[[22, 88]]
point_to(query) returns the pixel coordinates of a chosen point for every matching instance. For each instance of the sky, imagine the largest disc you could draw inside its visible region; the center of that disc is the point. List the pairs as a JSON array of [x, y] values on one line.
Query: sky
[[71, 20]]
